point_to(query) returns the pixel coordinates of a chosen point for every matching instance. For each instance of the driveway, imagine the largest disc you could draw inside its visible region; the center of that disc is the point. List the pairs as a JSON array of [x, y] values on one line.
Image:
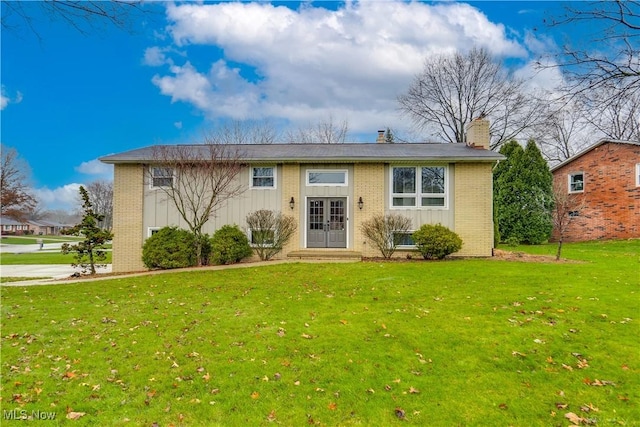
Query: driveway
[[56, 271]]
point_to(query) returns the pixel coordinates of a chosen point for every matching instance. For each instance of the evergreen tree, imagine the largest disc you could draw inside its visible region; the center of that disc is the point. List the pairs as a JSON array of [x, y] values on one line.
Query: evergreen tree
[[90, 251], [523, 194]]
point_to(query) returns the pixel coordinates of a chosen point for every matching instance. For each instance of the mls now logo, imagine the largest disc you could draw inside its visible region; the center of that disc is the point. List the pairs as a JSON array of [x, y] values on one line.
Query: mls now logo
[[21, 414]]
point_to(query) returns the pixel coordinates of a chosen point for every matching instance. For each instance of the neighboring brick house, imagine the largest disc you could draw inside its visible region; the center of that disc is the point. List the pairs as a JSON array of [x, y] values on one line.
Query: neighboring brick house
[[329, 189], [10, 226], [605, 177]]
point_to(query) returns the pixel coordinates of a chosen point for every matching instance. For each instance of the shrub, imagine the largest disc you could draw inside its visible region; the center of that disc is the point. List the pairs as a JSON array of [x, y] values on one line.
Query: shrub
[[229, 245], [436, 241], [386, 232], [170, 247], [270, 231]]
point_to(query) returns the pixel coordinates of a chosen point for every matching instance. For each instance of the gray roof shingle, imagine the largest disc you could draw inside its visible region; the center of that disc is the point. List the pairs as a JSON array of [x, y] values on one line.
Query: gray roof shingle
[[328, 153]]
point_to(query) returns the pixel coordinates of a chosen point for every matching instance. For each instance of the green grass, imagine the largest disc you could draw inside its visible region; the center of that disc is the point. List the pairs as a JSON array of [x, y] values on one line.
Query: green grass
[[20, 279], [463, 342], [31, 258], [32, 240]]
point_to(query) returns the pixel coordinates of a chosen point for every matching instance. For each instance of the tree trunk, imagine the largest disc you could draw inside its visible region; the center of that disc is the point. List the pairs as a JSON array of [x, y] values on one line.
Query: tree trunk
[[559, 248]]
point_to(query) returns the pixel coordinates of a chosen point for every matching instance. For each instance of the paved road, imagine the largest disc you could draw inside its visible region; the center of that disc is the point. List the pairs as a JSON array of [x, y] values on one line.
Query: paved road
[[56, 271]]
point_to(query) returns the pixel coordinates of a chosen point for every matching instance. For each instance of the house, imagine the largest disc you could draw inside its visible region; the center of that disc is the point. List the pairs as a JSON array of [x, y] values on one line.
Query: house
[[10, 226], [43, 227], [329, 189], [605, 178]]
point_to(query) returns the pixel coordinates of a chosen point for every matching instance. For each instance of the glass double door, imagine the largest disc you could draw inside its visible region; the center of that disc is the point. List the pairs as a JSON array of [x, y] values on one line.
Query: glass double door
[[326, 222]]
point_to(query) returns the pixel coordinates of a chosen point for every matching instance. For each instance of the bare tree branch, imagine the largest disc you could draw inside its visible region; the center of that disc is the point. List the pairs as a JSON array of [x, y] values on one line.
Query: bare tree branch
[[15, 201], [324, 132], [454, 89]]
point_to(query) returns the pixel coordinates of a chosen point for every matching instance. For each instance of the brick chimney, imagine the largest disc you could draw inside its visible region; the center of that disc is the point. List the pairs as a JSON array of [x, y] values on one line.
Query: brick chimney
[[380, 139], [478, 133]]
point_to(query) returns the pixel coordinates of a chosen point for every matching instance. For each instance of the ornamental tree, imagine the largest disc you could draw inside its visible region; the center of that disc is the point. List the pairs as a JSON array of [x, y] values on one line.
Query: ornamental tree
[[90, 251]]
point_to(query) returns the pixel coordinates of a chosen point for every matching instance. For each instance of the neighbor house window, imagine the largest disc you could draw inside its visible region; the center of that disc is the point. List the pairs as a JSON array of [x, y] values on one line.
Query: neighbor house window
[[422, 186], [161, 177], [637, 174], [327, 177], [263, 177], [573, 214], [576, 182]]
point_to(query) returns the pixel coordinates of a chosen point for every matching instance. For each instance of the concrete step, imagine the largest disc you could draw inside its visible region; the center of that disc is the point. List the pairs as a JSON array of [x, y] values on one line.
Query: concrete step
[[328, 254]]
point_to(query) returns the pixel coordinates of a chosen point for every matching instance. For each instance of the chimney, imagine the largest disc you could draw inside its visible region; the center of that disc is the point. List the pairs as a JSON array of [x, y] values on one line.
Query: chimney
[[380, 139], [478, 133]]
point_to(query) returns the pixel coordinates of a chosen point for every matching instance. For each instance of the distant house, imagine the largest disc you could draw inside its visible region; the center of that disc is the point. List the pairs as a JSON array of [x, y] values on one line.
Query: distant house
[[329, 189], [12, 227], [606, 176], [43, 227]]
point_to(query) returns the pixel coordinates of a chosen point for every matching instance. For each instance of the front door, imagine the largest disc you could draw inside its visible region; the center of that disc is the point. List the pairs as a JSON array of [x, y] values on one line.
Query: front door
[[326, 223]]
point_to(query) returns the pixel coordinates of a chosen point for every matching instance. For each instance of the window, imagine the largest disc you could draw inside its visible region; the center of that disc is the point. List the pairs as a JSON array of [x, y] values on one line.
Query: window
[[262, 237], [161, 177], [637, 174], [327, 177], [152, 230], [573, 214], [429, 191], [263, 177], [406, 240], [576, 182]]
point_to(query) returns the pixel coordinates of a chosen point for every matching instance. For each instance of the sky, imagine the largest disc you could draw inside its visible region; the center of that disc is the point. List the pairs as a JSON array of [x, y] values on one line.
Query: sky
[[180, 69]]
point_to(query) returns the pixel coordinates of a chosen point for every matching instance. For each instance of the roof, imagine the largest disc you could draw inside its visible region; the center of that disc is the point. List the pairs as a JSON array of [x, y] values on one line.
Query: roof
[[591, 147], [5, 220], [325, 153]]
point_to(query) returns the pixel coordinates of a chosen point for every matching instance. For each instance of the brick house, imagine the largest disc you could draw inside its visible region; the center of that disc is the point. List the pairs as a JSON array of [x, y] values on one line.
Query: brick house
[[606, 177], [329, 189]]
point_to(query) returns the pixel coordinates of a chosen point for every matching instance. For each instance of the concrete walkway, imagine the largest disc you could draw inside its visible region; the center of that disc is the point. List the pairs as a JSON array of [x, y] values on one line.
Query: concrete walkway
[[54, 271]]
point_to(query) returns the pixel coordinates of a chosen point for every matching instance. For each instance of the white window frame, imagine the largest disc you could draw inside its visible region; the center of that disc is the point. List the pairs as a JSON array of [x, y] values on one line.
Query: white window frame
[[637, 174], [150, 230], [571, 182], [152, 177], [410, 232], [330, 184], [418, 195], [250, 237], [252, 176]]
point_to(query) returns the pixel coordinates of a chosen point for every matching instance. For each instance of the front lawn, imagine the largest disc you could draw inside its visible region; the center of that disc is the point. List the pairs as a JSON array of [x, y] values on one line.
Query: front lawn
[[443, 343]]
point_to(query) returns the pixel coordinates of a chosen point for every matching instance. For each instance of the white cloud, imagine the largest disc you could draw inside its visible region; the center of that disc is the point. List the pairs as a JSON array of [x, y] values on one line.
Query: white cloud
[[95, 167], [304, 64], [178, 125], [154, 56], [5, 98], [64, 198]]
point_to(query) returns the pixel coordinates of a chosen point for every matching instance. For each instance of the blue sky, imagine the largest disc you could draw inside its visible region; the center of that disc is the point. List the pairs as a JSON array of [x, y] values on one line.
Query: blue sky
[[68, 98]]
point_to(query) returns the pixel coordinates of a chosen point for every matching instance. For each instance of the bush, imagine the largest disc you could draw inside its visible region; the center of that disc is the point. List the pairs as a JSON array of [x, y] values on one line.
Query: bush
[[170, 247], [270, 231], [386, 232], [229, 245], [436, 241]]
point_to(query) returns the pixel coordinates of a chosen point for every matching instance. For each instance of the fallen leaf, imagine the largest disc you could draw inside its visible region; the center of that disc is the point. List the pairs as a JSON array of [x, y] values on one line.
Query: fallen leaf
[[400, 413], [306, 336], [503, 406], [332, 406], [575, 419], [561, 405], [75, 415], [206, 376], [255, 395], [69, 375], [567, 367], [344, 322], [271, 416], [413, 390]]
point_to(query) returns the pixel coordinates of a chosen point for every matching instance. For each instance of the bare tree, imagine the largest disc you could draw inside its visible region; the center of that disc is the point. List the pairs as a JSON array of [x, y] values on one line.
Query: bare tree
[[82, 15], [198, 179], [454, 89], [566, 207], [245, 132], [610, 57], [270, 231], [564, 132], [101, 197], [615, 115], [15, 201], [386, 232], [328, 131]]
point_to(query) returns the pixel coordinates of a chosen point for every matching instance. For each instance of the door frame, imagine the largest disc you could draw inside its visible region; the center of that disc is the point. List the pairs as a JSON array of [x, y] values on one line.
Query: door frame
[[346, 222]]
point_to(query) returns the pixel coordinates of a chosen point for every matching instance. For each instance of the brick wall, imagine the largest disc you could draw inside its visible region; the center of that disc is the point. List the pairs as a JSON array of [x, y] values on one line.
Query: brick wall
[[474, 208], [368, 183], [610, 194], [128, 181], [291, 188]]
